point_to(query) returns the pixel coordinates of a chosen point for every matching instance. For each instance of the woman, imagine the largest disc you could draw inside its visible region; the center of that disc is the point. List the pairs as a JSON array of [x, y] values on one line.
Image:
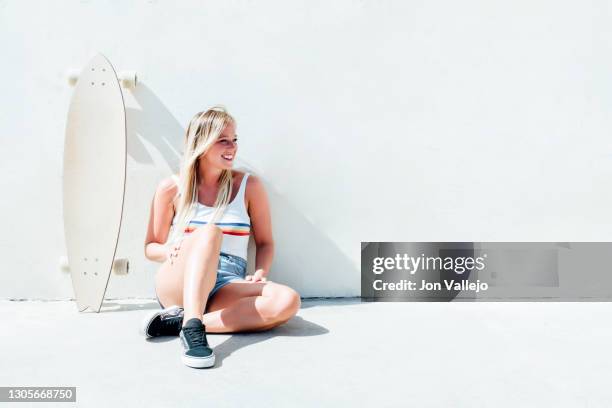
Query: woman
[[199, 229]]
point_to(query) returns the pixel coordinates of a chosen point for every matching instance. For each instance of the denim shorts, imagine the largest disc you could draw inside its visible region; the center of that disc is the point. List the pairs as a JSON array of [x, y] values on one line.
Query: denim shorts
[[230, 268]]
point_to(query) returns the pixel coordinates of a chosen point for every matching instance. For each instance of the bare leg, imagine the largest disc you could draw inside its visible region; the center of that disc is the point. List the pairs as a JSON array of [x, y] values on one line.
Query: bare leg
[[190, 276], [245, 306], [238, 306], [200, 271]]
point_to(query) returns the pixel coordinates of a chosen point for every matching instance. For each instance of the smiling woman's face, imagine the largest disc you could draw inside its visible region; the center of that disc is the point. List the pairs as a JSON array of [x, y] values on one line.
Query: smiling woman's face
[[223, 152]]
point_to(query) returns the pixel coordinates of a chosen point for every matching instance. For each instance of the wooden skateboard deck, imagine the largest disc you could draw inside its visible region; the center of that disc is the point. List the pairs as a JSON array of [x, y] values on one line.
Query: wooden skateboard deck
[[95, 152]]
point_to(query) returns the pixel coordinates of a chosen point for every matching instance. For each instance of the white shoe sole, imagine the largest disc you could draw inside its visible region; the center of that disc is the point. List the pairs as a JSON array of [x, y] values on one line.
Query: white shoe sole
[[199, 362], [146, 321]]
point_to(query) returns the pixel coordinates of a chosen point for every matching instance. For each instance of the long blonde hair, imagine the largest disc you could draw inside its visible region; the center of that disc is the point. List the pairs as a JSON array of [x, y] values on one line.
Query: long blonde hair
[[203, 131]]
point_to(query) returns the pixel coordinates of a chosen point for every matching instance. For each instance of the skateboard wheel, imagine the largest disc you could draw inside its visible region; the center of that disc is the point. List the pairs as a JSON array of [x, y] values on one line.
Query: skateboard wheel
[[64, 265], [72, 76], [121, 266], [128, 79]]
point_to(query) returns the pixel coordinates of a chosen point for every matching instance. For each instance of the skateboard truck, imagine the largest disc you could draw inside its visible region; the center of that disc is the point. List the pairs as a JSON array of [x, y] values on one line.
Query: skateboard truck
[[121, 266], [127, 79]]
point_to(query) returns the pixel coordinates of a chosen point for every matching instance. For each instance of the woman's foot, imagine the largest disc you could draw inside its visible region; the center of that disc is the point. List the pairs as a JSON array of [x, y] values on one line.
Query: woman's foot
[[166, 322], [197, 353]]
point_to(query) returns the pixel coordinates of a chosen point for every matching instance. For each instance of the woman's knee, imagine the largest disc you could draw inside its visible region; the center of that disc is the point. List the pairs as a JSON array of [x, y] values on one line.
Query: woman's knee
[[286, 303], [206, 235]]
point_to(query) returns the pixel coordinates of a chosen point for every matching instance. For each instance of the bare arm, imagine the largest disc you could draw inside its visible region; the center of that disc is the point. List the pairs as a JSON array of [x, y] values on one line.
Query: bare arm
[[261, 225], [160, 218]]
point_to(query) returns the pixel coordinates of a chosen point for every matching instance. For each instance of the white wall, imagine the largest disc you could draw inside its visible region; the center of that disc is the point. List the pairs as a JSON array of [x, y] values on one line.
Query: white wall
[[368, 120]]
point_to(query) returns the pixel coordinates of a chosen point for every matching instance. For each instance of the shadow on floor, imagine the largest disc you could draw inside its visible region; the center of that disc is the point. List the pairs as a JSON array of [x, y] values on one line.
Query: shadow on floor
[[110, 306], [307, 303], [296, 327]]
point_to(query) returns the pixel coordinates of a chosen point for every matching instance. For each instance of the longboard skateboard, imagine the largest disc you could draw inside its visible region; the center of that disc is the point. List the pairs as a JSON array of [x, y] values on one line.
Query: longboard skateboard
[[95, 153]]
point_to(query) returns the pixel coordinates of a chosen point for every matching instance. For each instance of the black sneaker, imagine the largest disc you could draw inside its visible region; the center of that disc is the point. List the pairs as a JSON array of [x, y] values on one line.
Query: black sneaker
[[166, 322], [197, 354]]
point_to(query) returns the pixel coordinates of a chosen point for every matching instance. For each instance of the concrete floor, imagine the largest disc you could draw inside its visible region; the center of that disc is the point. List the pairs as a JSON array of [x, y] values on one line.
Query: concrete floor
[[334, 353]]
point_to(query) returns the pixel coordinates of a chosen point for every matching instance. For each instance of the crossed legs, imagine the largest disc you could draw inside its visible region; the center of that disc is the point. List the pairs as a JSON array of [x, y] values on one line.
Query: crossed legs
[[188, 277]]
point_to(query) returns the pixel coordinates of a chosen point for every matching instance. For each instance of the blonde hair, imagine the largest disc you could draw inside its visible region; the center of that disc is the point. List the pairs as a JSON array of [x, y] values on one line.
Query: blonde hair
[[203, 131]]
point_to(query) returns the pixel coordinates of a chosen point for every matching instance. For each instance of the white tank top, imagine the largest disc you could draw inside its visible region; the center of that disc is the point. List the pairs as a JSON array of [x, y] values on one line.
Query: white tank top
[[235, 223]]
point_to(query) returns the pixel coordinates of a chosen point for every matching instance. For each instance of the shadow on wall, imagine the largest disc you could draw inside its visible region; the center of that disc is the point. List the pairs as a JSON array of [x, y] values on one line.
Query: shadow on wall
[[153, 134], [305, 257], [154, 123]]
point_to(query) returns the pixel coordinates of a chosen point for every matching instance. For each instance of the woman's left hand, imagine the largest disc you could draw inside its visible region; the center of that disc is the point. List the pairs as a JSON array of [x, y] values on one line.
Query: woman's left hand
[[258, 276]]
